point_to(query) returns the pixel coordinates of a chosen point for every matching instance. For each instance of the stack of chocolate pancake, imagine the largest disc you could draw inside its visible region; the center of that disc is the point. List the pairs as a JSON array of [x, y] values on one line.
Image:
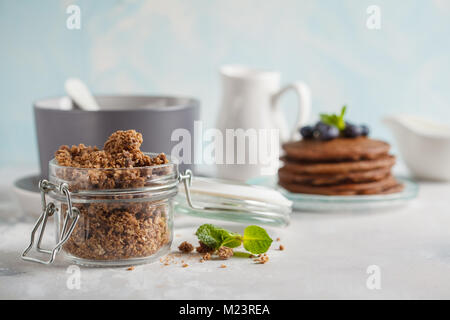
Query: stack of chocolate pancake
[[341, 166]]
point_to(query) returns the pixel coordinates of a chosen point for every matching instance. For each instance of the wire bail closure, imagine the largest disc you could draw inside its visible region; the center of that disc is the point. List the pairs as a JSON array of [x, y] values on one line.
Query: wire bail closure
[[186, 178], [70, 220]]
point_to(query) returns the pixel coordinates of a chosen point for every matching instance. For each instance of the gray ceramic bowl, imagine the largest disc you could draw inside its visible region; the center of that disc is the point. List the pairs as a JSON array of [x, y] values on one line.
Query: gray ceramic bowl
[[154, 116]]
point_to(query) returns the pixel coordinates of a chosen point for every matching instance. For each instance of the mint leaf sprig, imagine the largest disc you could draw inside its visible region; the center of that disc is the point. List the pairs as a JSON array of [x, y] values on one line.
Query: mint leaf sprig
[[216, 237], [334, 119], [255, 239]]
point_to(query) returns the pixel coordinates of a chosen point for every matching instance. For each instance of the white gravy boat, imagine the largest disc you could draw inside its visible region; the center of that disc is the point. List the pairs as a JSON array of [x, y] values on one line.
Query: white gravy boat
[[424, 145]]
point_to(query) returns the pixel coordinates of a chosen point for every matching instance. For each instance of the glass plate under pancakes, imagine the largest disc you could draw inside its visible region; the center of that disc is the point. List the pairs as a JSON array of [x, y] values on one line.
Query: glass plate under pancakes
[[235, 202], [322, 203]]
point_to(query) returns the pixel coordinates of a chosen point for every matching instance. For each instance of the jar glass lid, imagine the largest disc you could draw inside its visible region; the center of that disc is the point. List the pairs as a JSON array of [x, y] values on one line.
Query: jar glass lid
[[233, 201]]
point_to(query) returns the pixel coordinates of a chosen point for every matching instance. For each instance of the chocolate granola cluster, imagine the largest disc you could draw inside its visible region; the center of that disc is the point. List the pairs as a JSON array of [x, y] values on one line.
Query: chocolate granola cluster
[[116, 226], [121, 150]]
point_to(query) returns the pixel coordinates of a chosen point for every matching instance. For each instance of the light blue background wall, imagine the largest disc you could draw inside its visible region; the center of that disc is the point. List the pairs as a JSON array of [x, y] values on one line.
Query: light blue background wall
[[176, 46]]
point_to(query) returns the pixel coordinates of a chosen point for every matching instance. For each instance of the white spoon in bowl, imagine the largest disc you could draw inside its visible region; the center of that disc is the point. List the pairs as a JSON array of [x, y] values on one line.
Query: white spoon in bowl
[[80, 94]]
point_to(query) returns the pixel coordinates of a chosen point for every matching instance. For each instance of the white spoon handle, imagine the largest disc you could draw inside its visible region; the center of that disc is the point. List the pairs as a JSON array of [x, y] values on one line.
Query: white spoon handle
[[80, 94]]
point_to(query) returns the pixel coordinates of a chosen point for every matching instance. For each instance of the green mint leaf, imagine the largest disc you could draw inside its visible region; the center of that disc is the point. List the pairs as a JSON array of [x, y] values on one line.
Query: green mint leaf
[[256, 240], [325, 118], [240, 254], [216, 237], [344, 108], [334, 120], [341, 122], [330, 119], [234, 240]]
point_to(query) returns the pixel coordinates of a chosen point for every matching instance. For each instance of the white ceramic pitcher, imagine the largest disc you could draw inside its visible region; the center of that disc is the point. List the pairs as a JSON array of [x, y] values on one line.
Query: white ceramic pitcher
[[250, 101]]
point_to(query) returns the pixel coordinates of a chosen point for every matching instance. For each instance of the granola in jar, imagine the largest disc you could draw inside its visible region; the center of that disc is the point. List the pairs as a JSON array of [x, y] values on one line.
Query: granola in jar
[[124, 197]]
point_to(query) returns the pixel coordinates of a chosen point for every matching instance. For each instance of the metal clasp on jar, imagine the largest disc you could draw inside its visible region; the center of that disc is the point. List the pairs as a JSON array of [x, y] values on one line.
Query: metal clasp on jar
[[186, 178], [70, 220]]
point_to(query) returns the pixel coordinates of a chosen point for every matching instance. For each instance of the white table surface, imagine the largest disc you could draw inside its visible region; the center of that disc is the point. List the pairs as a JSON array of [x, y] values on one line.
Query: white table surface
[[326, 256]]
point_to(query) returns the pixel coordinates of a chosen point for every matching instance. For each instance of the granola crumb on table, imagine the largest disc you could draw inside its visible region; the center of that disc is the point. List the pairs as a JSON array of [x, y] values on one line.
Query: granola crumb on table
[[206, 257], [186, 247], [110, 230], [224, 253], [261, 258], [203, 248]]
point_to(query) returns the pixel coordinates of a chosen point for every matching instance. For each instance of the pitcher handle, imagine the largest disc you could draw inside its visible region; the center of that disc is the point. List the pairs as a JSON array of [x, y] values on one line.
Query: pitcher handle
[[304, 109]]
